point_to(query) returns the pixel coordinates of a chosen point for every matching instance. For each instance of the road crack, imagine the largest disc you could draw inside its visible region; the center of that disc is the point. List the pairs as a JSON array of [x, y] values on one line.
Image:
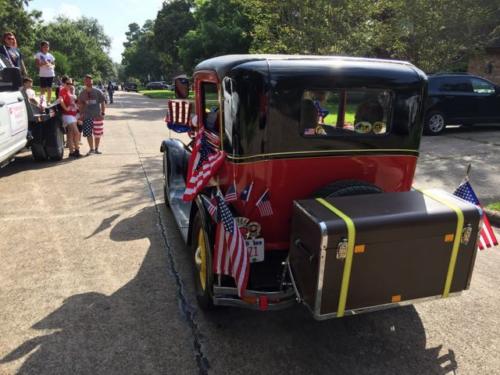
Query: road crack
[[186, 309]]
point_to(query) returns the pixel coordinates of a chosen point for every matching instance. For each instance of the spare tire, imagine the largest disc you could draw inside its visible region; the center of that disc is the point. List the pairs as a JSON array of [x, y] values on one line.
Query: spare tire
[[344, 188]]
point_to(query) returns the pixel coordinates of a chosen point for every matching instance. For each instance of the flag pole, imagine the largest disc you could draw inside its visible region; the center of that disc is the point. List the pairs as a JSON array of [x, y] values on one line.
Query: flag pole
[[467, 173]]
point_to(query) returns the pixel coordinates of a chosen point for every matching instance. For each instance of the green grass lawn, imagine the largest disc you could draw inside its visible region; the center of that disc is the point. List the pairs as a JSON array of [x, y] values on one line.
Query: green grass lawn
[[161, 94], [494, 206]]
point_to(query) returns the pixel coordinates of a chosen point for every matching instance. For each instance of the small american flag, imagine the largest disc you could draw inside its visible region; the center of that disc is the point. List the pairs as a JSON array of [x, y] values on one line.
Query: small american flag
[[245, 194], [204, 162], [210, 206], [231, 194], [230, 253], [487, 237], [212, 138], [264, 205]]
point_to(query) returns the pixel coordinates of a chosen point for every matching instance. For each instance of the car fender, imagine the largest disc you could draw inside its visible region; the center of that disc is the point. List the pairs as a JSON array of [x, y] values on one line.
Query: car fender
[[177, 157]]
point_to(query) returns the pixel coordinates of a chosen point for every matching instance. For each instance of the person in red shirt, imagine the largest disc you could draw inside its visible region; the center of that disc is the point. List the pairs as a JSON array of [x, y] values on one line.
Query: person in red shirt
[[68, 103]]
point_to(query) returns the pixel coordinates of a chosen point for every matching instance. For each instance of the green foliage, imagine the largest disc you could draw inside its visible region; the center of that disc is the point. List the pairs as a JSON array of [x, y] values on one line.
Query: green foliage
[[434, 35], [173, 21], [79, 46], [63, 64], [222, 28], [15, 18], [140, 59], [494, 206], [83, 47]]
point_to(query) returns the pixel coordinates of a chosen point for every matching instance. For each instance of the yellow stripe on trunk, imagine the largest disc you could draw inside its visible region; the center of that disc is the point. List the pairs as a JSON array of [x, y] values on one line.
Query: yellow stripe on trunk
[[351, 238], [456, 241]]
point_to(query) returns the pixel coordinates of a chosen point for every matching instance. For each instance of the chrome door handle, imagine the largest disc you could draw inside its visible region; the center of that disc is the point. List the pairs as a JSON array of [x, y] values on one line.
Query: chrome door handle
[[20, 98], [2, 103]]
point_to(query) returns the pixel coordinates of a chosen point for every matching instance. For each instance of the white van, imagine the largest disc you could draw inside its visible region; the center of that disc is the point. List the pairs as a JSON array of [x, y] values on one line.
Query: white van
[[13, 114]]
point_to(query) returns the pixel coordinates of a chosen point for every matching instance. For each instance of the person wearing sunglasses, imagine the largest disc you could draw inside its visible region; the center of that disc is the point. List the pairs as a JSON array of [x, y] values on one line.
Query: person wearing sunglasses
[[10, 53]]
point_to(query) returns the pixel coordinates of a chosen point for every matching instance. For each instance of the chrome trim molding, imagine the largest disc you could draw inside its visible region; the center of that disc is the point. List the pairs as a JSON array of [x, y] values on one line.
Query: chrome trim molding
[[331, 152], [232, 291], [242, 304], [294, 285], [321, 270], [277, 300], [367, 309]]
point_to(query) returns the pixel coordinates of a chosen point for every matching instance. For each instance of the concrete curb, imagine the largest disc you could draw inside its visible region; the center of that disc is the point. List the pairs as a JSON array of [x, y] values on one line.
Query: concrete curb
[[493, 216]]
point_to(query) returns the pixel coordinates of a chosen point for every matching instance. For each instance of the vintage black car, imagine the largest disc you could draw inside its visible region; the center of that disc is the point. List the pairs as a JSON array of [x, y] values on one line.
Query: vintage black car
[[315, 158], [460, 99]]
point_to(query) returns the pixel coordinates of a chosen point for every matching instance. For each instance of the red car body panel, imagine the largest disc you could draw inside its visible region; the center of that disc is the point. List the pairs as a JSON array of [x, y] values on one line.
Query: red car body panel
[[298, 178]]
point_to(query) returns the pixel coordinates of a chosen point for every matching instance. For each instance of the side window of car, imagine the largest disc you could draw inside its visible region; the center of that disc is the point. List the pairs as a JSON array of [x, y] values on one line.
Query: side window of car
[[210, 105], [482, 87], [456, 84]]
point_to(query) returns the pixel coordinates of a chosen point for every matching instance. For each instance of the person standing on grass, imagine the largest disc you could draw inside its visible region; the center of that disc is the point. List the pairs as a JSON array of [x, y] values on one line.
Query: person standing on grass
[[92, 111], [46, 69]]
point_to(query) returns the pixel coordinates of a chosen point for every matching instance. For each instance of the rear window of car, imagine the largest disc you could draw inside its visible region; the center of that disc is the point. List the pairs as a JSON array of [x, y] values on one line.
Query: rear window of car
[[345, 112]]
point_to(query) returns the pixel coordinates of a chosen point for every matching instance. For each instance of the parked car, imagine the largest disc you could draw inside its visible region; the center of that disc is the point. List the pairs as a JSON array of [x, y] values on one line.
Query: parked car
[[462, 99], [299, 187], [13, 114], [158, 85], [129, 86]]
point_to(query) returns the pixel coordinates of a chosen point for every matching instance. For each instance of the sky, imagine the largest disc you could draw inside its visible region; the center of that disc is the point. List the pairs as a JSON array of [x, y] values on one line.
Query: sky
[[113, 15]]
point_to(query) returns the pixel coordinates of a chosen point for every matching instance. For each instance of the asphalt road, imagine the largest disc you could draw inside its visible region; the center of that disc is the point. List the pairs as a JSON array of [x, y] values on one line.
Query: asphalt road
[[95, 279]]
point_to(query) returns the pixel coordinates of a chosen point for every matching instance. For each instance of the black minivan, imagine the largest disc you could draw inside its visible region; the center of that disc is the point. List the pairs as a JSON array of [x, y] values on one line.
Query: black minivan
[[460, 99]]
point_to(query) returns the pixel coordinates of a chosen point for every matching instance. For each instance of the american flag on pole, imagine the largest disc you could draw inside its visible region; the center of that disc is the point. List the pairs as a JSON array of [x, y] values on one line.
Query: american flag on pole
[[231, 194], [210, 206], [204, 162], [230, 253], [264, 205], [245, 194], [178, 115], [487, 236]]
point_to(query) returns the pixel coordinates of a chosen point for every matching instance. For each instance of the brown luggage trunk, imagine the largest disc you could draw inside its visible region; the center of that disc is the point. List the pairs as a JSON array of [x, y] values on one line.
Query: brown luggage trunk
[[403, 247]]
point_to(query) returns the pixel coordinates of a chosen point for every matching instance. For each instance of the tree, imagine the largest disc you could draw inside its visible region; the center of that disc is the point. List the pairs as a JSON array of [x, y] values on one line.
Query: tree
[[85, 53], [140, 59], [15, 18], [222, 27], [173, 21], [94, 30]]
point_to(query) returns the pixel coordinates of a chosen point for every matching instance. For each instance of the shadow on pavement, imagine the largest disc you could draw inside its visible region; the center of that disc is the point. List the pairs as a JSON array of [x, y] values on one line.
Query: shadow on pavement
[[125, 181], [24, 161], [140, 328], [135, 330], [388, 342]]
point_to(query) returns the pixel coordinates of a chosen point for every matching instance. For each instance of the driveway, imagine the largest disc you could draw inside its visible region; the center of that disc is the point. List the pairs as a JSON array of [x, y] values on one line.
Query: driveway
[[95, 279]]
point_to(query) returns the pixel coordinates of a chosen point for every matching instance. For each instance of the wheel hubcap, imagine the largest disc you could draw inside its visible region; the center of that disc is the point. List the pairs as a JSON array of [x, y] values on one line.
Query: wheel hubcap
[[200, 259], [436, 123]]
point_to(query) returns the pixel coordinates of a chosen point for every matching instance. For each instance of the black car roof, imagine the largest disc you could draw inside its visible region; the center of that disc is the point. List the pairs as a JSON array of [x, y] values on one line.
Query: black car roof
[[223, 64]]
